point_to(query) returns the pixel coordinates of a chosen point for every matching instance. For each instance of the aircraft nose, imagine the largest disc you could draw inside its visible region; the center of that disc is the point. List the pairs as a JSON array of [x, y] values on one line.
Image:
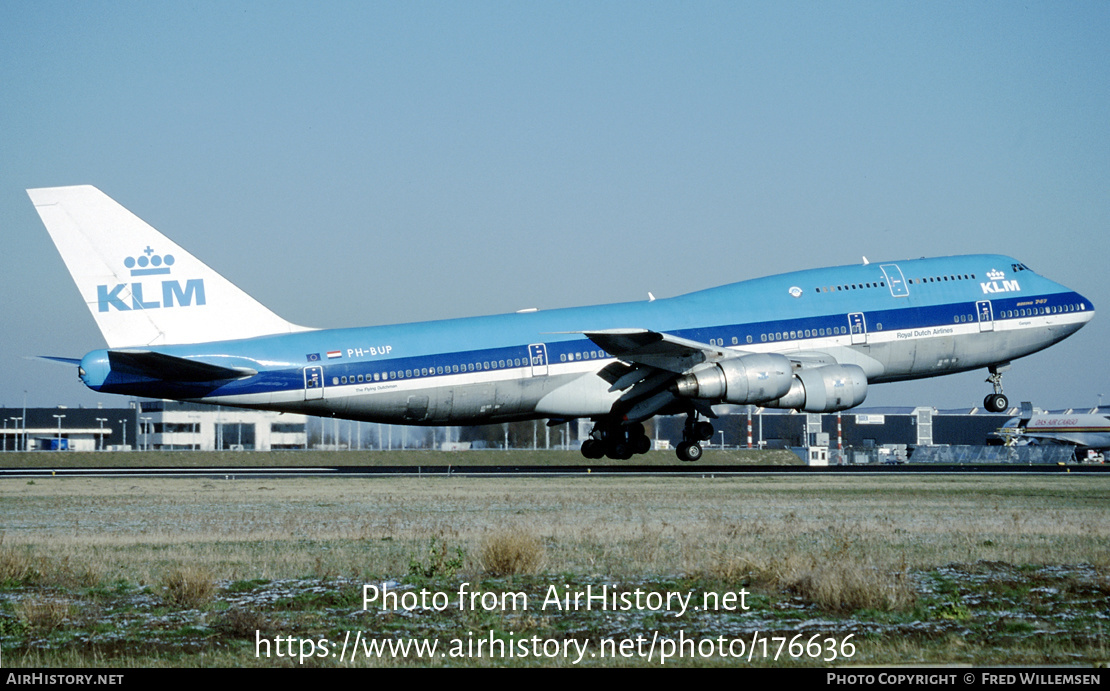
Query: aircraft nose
[[1088, 307]]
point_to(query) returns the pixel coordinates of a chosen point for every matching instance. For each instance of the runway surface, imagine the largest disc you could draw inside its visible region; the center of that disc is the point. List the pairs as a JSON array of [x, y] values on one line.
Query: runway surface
[[554, 470]]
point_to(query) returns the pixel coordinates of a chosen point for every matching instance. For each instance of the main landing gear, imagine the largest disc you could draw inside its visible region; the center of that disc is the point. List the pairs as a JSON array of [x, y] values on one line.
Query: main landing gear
[[695, 432], [619, 442], [997, 401], [622, 442]]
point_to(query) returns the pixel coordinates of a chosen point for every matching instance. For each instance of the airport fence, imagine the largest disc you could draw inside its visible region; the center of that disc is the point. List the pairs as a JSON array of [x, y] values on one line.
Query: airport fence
[[1022, 455]]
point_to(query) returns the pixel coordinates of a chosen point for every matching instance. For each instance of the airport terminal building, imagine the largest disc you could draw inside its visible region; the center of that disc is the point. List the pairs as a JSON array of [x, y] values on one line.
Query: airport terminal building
[[860, 427], [151, 425], [64, 428], [171, 426]]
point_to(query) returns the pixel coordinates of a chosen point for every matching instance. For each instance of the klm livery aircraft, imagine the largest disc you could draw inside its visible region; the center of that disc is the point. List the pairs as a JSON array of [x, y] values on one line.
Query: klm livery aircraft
[[810, 340]]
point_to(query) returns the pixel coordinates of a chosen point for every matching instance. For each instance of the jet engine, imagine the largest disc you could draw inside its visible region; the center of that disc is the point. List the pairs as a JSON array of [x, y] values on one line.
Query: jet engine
[[825, 389], [747, 379]]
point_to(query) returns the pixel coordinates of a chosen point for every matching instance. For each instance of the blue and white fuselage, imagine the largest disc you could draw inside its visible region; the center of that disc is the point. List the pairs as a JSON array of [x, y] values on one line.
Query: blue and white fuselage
[[811, 340]]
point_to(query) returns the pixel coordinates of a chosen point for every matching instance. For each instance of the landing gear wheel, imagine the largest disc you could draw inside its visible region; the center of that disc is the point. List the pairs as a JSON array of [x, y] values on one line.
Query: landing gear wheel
[[619, 451], [617, 441], [689, 451], [593, 449], [996, 402]]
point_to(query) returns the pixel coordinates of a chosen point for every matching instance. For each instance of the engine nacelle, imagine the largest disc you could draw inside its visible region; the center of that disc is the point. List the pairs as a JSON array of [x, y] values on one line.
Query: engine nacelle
[[747, 379], [825, 389]]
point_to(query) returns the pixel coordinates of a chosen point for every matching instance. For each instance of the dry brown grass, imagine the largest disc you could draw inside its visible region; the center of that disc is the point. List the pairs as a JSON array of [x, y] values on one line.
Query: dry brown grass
[[18, 564], [843, 543], [43, 614], [511, 552], [189, 586], [839, 576], [844, 577], [728, 569], [840, 583], [242, 622], [727, 528]]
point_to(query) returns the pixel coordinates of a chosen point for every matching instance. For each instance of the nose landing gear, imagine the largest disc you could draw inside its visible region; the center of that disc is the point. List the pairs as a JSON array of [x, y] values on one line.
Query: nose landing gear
[[997, 401], [695, 432]]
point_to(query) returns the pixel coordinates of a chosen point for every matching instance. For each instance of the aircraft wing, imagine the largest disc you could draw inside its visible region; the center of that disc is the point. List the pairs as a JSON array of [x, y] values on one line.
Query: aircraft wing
[[679, 355], [656, 359], [658, 350], [146, 363]]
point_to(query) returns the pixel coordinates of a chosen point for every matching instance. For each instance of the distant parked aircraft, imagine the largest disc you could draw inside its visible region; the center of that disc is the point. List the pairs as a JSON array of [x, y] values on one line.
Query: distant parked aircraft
[[1083, 430]]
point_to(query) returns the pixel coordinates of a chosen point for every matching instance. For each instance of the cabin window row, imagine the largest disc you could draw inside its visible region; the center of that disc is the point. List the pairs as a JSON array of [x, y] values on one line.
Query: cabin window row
[[940, 279], [1039, 311], [428, 371], [850, 286], [911, 281], [584, 355], [802, 333]]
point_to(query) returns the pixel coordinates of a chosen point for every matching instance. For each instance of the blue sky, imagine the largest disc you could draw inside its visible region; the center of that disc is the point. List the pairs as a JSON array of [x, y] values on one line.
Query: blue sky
[[368, 163]]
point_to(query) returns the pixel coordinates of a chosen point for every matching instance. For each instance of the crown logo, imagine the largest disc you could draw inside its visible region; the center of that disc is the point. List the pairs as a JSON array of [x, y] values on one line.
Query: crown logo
[[995, 275], [149, 263]]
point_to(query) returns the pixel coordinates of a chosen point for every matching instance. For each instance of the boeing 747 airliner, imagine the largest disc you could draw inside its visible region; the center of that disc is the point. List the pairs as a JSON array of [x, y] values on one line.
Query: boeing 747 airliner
[[810, 340]]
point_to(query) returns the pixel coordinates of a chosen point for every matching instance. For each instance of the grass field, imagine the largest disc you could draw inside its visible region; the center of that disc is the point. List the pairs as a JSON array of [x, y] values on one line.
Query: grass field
[[982, 570]]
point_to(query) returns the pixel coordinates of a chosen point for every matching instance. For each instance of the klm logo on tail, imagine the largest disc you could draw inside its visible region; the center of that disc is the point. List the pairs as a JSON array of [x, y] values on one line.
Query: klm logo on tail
[[172, 293]]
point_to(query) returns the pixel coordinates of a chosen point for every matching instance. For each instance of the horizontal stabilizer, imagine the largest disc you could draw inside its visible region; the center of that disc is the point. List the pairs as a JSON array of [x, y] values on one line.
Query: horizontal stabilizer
[[61, 360], [146, 363]]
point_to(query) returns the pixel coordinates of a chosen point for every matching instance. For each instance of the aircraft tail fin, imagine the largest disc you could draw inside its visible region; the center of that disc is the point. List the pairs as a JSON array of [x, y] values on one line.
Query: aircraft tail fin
[[141, 287]]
